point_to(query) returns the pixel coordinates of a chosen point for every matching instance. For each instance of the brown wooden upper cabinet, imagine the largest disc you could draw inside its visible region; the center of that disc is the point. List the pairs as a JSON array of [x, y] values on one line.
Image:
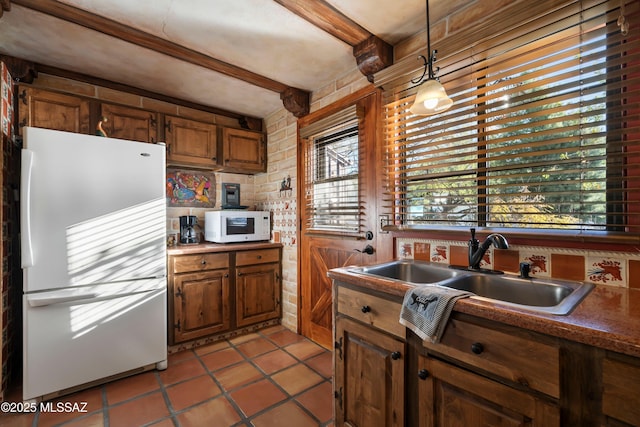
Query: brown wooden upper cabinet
[[52, 110], [243, 151], [191, 143], [129, 123]]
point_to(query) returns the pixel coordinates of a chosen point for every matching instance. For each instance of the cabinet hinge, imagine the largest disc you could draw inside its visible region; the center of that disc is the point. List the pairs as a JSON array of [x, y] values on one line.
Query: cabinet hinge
[[338, 395], [179, 292], [338, 346], [177, 326]]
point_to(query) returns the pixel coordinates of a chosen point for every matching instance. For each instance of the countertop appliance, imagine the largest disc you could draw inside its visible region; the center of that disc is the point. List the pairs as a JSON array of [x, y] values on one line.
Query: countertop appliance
[[93, 226], [188, 233], [229, 226]]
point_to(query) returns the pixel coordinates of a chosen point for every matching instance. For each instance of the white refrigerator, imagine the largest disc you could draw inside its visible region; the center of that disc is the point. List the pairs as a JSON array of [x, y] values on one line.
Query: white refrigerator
[[93, 248]]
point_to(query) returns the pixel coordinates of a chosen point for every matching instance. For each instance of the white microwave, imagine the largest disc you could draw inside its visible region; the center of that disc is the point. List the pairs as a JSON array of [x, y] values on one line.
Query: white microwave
[[228, 226]]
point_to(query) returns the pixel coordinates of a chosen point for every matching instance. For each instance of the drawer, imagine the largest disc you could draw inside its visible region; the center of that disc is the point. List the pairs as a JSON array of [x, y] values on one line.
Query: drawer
[[260, 256], [375, 311], [519, 357], [199, 262], [621, 384]]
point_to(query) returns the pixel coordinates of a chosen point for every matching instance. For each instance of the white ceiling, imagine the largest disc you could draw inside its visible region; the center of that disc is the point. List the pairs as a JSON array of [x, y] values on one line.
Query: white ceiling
[[256, 35]]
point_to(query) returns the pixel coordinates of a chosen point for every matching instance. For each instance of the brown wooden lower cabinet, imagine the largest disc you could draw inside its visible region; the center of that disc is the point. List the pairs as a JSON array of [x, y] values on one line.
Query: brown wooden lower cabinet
[[206, 289], [621, 394], [451, 396], [481, 373], [369, 376], [201, 304]]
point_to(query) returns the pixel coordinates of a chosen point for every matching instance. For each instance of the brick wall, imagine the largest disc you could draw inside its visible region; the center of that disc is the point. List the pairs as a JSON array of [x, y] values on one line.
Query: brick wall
[[282, 154], [11, 283]]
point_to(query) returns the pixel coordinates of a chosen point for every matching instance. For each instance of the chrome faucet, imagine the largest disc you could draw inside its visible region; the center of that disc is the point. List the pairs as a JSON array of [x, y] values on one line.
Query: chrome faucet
[[477, 250]]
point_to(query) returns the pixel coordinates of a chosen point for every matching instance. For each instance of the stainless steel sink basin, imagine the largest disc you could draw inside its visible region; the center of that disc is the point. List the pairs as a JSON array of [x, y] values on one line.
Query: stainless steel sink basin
[[554, 297], [539, 295], [410, 271]]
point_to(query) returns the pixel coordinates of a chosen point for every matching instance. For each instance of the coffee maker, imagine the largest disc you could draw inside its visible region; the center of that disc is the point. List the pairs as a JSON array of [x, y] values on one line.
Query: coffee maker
[[188, 233]]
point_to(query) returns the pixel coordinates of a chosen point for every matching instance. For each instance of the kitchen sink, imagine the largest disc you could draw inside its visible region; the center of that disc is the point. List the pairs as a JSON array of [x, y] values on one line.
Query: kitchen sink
[[550, 296], [410, 271]]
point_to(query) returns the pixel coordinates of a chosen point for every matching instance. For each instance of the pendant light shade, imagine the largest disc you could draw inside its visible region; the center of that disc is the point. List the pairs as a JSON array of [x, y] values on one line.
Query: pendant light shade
[[431, 97]]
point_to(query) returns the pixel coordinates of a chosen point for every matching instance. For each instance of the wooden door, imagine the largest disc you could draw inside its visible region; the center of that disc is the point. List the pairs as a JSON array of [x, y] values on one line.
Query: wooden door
[[190, 142], [258, 294], [452, 397], [201, 304], [52, 110], [369, 376], [129, 123], [321, 251]]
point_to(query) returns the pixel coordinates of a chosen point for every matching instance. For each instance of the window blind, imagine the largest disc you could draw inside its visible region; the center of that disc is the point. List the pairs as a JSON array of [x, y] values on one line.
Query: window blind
[[332, 161], [544, 131]]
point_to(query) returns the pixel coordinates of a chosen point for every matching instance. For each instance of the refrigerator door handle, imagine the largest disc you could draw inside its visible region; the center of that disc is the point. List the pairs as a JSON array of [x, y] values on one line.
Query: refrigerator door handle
[[41, 302], [25, 211]]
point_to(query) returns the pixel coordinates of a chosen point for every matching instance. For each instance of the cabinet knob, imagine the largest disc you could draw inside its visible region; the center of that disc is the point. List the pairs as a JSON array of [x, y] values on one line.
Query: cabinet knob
[[395, 355], [477, 348], [423, 374], [365, 309], [203, 262]]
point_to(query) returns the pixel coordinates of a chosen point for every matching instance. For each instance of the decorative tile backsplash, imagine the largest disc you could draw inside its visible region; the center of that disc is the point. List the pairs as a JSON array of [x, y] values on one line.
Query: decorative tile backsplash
[[285, 220], [599, 267]]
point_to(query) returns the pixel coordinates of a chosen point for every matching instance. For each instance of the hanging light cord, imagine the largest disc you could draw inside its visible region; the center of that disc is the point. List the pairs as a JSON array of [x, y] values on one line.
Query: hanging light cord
[[428, 64]]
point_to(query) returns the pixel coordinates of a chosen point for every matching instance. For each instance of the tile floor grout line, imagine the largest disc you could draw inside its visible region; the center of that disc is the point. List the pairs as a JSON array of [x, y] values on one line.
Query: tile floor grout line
[[268, 377], [224, 392], [167, 401], [290, 397]]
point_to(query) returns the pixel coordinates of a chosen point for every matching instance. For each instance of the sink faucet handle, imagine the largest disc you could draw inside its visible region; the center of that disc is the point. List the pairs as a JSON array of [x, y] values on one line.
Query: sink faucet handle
[[473, 233]]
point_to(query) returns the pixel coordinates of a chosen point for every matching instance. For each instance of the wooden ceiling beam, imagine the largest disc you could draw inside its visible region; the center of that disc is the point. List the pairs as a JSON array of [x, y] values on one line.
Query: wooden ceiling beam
[[131, 35], [5, 6], [371, 52]]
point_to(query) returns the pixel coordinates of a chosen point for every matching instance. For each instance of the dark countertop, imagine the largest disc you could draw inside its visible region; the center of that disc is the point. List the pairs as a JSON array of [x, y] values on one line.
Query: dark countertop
[[608, 318], [219, 247]]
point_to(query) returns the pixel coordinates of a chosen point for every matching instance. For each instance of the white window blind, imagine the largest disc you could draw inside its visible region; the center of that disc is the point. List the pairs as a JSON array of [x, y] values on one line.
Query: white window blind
[[544, 131], [332, 162]]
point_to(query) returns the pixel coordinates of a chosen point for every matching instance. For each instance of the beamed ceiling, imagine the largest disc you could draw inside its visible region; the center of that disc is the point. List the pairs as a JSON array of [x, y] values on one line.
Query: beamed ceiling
[[241, 58]]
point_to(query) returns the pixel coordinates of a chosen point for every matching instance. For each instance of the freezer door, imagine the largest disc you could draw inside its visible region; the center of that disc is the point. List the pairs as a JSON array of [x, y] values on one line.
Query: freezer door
[[72, 339], [92, 210]]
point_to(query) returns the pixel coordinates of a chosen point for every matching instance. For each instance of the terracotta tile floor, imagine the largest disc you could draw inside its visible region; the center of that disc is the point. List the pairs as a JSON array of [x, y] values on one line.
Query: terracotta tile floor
[[270, 378]]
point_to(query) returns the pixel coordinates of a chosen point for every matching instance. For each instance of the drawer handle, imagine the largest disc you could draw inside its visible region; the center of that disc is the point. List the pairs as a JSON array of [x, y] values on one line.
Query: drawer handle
[[423, 374], [259, 256], [365, 309], [203, 262], [477, 348], [395, 355]]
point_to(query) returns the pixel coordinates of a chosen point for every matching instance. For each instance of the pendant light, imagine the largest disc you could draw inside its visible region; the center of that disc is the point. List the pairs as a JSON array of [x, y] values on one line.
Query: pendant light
[[431, 97]]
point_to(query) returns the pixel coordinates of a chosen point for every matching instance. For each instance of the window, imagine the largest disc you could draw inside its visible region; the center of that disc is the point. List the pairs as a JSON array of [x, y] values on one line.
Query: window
[[332, 190], [540, 134]]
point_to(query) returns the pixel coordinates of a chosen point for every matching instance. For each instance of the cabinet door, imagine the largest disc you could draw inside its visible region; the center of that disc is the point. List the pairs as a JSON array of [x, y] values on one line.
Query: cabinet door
[[129, 123], [621, 394], [243, 151], [51, 110], [190, 142], [452, 397], [201, 304], [369, 376], [258, 293]]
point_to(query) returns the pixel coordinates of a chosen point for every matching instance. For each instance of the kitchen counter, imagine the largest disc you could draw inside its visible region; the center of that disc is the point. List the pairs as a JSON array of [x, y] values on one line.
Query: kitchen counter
[[219, 247], [608, 317]]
